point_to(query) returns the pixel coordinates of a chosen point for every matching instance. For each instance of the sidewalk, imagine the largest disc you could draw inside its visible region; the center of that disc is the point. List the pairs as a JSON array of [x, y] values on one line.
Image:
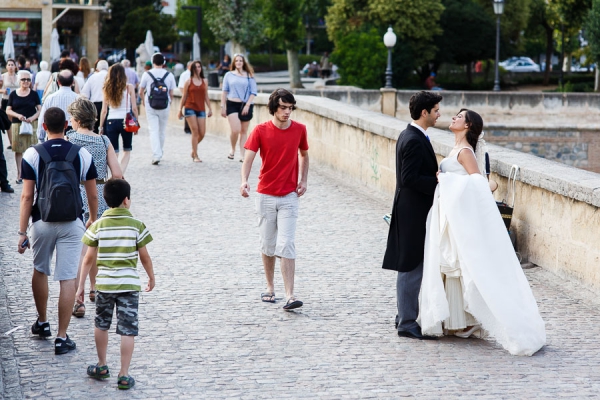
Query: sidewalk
[[204, 333]]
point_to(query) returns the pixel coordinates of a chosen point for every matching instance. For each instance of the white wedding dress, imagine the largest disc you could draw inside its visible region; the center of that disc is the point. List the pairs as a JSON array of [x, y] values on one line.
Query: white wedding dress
[[468, 245]]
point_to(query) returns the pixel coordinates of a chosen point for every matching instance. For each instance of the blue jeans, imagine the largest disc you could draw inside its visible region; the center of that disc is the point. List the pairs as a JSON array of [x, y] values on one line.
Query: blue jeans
[[114, 129], [193, 113]]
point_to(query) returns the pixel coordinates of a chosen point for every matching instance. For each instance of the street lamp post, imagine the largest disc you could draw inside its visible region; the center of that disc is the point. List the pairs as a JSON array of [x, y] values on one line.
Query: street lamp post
[[498, 10], [389, 39], [198, 18]]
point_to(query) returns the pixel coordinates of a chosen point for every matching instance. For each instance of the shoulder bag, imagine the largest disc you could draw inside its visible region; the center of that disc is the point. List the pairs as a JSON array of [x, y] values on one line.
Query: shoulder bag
[[248, 116], [130, 123]]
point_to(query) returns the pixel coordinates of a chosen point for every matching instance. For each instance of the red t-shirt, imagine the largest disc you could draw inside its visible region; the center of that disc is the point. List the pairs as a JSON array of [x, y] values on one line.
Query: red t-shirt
[[279, 154]]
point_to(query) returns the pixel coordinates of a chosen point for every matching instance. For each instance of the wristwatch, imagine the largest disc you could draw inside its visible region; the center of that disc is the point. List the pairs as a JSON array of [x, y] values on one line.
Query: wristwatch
[[22, 233]]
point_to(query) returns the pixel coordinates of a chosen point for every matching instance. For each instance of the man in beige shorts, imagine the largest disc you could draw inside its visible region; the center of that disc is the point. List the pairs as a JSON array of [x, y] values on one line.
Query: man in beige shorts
[[279, 141]]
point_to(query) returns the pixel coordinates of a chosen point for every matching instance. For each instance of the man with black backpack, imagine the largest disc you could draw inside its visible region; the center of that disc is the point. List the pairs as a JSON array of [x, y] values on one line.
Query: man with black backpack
[[51, 174], [156, 91]]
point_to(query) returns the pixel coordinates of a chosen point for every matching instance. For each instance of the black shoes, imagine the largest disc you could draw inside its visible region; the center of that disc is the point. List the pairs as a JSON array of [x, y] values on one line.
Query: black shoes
[[7, 189], [415, 333], [62, 346], [42, 330]]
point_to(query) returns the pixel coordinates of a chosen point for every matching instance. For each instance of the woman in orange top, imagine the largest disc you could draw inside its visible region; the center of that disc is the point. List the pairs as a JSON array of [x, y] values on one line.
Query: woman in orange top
[[195, 96]]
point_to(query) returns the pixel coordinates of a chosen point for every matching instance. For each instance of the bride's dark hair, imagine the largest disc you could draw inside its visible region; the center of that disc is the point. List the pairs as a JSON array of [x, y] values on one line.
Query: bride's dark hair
[[475, 126]]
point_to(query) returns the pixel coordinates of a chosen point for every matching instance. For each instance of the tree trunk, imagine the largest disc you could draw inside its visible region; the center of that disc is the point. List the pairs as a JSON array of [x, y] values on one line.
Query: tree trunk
[[271, 55], [549, 48], [596, 78], [294, 69], [237, 48]]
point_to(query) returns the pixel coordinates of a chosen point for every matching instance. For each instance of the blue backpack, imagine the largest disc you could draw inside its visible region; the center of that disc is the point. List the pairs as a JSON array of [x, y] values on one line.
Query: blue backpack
[[158, 96]]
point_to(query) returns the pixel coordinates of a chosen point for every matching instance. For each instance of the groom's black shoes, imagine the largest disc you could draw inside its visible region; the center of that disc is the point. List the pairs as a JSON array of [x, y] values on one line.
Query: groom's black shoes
[[415, 333]]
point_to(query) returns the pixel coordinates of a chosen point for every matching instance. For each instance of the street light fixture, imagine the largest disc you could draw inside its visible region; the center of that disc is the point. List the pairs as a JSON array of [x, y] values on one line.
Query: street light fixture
[[389, 39], [498, 10]]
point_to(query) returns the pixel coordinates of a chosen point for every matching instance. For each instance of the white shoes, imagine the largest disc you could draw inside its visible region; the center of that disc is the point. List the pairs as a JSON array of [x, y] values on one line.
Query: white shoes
[[468, 333]]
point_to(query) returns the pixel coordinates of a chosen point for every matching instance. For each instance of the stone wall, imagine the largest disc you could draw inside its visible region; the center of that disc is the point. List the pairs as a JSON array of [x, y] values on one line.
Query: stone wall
[[556, 216]]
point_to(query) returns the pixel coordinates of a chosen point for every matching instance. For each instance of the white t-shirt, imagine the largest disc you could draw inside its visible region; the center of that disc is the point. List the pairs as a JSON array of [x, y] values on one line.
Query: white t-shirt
[[158, 73]]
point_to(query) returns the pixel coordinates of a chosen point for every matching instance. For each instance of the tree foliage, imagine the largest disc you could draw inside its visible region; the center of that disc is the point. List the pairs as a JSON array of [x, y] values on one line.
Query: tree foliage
[[120, 13], [592, 30], [235, 20], [142, 19], [186, 23]]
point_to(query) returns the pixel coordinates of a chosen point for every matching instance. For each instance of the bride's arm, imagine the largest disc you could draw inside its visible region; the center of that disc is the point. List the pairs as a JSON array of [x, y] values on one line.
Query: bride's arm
[[468, 161]]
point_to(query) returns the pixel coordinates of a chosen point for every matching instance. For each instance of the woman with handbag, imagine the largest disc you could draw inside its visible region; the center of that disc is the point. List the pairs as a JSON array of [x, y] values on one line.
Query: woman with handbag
[[120, 106], [239, 90], [83, 118], [472, 279], [195, 97], [9, 83], [24, 108]]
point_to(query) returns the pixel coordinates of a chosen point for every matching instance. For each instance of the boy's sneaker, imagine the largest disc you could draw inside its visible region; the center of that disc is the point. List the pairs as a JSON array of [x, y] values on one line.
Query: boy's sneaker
[[62, 346], [42, 330]]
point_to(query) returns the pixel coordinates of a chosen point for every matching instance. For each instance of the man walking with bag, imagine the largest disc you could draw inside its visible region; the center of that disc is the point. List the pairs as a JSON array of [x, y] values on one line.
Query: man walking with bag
[[51, 174], [156, 91]]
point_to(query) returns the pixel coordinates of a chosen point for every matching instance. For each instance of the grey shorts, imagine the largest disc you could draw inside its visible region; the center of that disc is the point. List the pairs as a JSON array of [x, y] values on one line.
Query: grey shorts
[[277, 216], [127, 312], [65, 237]]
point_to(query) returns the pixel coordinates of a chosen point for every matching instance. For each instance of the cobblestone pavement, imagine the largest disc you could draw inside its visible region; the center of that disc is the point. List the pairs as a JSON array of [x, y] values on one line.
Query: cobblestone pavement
[[204, 333]]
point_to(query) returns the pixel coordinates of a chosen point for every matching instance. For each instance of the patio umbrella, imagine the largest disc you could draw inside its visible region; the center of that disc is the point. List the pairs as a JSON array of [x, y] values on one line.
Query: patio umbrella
[[149, 43], [9, 46], [54, 45], [196, 47]]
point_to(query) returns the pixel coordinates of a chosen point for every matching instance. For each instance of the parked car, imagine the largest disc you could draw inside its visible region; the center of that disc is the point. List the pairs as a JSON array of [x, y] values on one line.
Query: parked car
[[512, 60], [576, 67], [523, 66]]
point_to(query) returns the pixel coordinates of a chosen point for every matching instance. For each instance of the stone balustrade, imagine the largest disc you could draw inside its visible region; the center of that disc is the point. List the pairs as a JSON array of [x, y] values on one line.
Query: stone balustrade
[[556, 218]]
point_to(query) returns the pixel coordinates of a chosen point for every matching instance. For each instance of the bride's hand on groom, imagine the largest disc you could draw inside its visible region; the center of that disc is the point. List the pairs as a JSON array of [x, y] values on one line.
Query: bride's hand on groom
[[437, 175]]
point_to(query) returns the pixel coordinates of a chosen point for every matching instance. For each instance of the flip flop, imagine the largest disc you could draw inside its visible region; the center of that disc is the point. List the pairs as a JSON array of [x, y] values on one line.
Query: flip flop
[[292, 303], [268, 297], [231, 156]]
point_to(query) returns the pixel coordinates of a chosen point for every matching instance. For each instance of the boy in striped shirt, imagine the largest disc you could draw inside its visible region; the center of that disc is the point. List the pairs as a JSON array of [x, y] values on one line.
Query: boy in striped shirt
[[115, 241]]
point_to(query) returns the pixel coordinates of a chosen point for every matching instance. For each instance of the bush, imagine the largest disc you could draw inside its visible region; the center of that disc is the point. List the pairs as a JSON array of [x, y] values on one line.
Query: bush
[[361, 59], [262, 63]]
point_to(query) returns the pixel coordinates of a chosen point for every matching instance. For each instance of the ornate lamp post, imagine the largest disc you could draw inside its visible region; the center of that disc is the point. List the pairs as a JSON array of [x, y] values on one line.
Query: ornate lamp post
[[498, 10], [389, 39]]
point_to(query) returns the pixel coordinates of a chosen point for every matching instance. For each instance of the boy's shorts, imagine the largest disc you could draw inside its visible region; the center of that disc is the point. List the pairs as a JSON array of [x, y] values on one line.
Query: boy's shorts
[[127, 312]]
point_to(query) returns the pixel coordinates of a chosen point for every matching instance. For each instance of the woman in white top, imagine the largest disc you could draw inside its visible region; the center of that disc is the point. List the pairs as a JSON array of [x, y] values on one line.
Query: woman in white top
[[472, 279], [41, 79], [9, 82], [119, 98]]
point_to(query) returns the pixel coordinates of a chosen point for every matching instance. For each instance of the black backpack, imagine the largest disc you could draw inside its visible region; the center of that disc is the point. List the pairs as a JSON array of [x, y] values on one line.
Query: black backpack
[[158, 97], [58, 194]]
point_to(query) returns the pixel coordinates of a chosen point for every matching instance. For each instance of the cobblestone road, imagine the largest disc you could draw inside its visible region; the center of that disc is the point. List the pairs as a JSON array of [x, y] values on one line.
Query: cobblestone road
[[205, 334]]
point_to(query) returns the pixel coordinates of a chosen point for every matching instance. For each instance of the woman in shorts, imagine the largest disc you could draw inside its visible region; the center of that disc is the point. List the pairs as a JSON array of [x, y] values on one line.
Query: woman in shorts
[[194, 99], [239, 90]]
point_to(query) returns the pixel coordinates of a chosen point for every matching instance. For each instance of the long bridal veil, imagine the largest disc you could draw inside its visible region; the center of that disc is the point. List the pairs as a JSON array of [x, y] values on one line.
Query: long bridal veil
[[464, 226]]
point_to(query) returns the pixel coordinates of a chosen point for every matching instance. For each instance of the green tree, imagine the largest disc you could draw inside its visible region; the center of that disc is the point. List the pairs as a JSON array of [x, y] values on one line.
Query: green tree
[[235, 20], [512, 23], [592, 34], [415, 22], [186, 23], [142, 19], [282, 20], [468, 36]]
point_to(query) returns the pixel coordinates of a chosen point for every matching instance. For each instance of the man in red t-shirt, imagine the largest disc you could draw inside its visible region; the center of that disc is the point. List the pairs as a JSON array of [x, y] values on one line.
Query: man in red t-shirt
[[279, 142]]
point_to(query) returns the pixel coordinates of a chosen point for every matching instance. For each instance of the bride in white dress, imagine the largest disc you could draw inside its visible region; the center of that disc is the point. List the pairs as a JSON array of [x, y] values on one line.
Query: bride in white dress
[[472, 279]]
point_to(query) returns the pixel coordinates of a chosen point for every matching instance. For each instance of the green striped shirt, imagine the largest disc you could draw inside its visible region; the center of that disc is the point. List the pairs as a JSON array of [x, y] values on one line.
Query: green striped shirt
[[118, 236]]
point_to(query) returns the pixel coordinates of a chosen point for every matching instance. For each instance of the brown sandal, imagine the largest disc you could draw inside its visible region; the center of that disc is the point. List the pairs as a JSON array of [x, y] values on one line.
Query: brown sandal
[[92, 296], [79, 310]]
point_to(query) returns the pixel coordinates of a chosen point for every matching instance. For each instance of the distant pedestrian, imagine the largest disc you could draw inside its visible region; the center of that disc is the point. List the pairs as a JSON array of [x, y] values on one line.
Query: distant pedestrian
[[119, 99], [239, 90], [92, 89], [194, 99], [34, 65], [118, 283], [63, 56], [62, 99], [85, 69], [224, 66], [183, 78], [73, 55], [41, 79], [52, 85], [4, 184], [53, 170], [156, 91], [325, 66], [279, 142], [10, 82], [24, 108], [132, 77]]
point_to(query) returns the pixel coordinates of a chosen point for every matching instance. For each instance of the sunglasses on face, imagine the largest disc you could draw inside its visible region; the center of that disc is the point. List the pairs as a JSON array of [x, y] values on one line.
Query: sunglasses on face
[[26, 80]]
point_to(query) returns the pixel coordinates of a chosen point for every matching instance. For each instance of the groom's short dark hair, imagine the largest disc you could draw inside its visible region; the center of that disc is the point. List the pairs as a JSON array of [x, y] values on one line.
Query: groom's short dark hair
[[422, 101]]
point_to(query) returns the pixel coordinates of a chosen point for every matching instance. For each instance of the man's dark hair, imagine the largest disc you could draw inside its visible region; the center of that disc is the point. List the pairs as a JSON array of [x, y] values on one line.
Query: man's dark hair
[[70, 65], [280, 94], [116, 191], [158, 59], [66, 81], [64, 54], [422, 101], [54, 118]]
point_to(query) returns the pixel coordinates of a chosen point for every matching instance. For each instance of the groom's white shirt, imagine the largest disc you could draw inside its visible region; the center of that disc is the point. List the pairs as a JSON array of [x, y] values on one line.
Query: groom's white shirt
[[418, 127]]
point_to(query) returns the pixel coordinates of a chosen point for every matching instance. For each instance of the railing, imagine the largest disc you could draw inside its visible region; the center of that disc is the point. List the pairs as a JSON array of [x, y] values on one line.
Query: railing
[[77, 2]]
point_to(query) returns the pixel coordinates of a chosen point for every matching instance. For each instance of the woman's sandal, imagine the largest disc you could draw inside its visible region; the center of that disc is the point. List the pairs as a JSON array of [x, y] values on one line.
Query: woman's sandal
[[231, 156], [125, 382], [268, 297], [96, 372], [79, 310], [92, 296], [292, 303], [197, 159]]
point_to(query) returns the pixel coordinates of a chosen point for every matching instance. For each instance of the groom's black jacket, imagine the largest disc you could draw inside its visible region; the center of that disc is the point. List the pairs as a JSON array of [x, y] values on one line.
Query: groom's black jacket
[[416, 167]]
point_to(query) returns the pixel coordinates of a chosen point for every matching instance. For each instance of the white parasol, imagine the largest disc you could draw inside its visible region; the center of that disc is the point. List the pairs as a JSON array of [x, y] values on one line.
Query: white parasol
[[196, 47], [54, 45], [9, 46], [149, 43]]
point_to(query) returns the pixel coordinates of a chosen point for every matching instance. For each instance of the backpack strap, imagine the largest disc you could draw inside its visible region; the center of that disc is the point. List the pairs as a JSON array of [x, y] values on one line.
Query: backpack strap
[[73, 152], [43, 153], [152, 76]]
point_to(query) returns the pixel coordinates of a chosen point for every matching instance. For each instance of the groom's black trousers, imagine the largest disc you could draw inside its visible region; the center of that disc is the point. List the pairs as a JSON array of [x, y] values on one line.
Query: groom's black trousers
[[408, 285]]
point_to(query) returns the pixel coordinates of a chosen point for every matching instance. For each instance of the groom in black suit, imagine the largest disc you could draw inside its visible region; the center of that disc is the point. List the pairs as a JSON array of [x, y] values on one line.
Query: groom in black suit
[[416, 169]]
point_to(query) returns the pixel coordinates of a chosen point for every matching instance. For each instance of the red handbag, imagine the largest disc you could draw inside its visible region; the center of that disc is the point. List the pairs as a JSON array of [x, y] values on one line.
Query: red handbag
[[131, 123]]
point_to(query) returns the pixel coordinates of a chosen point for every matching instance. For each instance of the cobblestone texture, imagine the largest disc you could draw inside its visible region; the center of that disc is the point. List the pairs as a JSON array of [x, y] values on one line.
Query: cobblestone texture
[[204, 333]]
